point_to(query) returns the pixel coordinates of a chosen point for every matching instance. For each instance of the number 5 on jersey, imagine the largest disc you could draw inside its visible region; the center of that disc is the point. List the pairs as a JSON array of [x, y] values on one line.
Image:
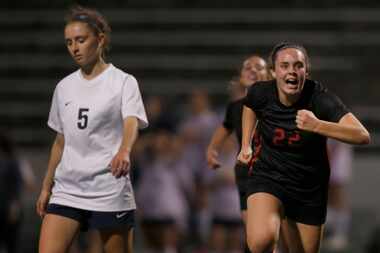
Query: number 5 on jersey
[[82, 118]]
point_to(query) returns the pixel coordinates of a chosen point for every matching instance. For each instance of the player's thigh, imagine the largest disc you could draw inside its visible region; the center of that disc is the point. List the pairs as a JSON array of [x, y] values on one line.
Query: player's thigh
[[301, 237], [118, 240], [94, 240], [57, 233], [263, 217]]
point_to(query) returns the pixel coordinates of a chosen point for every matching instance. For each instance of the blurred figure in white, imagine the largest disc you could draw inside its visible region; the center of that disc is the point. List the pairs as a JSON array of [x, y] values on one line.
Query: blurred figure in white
[[196, 129], [161, 195], [339, 210]]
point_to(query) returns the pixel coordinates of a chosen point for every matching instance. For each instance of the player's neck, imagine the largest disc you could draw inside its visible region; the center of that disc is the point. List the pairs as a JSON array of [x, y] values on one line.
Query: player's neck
[[93, 70], [288, 100]]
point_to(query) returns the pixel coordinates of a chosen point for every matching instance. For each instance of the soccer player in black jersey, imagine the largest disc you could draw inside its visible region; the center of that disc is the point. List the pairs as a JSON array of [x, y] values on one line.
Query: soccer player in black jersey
[[253, 69], [288, 184]]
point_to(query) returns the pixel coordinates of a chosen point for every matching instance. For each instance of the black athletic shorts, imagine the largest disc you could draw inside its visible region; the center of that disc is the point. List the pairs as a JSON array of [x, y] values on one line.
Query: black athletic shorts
[[95, 219], [296, 210], [241, 178]]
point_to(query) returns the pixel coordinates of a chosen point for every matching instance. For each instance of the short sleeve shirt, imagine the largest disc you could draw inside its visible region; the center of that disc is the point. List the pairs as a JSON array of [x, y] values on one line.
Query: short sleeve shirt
[[232, 118], [294, 158], [90, 114]]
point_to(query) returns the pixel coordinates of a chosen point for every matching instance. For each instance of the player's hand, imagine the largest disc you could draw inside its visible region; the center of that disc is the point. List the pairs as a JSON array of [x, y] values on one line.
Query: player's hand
[[306, 120], [212, 158], [42, 202], [120, 164], [245, 155]]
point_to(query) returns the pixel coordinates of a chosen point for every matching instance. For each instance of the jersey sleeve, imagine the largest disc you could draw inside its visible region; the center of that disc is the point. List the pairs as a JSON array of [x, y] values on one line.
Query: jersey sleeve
[[256, 97], [54, 121], [132, 104], [329, 107], [228, 119]]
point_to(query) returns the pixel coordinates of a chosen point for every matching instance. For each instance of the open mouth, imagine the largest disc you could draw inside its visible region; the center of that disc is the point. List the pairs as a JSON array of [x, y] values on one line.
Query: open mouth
[[253, 80], [291, 81], [252, 77]]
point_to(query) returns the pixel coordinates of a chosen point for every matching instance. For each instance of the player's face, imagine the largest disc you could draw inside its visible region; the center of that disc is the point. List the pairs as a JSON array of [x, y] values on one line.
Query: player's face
[[290, 71], [84, 46], [254, 69]]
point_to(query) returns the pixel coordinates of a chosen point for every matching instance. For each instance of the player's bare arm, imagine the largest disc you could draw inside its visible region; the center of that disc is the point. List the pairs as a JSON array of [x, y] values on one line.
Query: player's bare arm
[[47, 185], [216, 142], [348, 129], [121, 162], [248, 123]]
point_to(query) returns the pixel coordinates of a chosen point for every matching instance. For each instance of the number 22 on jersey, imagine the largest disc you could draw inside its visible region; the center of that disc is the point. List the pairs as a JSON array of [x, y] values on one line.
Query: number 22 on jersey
[[282, 138]]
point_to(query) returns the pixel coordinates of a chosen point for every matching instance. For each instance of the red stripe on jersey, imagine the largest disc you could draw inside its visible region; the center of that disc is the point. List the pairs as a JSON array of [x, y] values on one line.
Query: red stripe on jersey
[[257, 143]]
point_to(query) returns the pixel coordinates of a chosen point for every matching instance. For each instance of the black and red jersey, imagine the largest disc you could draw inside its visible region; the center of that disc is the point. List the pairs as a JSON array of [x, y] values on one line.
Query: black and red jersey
[[294, 158], [232, 118]]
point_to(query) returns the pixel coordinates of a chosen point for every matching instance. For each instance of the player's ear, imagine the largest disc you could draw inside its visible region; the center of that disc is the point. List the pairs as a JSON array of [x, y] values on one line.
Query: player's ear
[[101, 40], [272, 73]]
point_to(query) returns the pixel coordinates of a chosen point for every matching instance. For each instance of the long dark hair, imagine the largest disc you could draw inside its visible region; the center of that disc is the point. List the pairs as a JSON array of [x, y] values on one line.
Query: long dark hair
[[284, 45]]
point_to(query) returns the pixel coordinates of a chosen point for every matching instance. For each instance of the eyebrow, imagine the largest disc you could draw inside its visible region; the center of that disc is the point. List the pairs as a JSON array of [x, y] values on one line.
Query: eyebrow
[[77, 37]]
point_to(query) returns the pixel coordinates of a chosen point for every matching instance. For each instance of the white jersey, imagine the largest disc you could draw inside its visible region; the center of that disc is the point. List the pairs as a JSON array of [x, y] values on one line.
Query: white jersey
[[90, 113]]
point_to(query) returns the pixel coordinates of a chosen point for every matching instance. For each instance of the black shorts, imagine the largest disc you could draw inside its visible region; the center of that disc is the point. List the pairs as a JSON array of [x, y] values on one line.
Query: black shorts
[[95, 219], [296, 210], [241, 178]]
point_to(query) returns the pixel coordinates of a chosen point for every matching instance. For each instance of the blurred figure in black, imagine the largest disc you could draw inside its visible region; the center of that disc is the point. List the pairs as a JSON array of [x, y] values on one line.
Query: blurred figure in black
[[373, 245], [10, 189]]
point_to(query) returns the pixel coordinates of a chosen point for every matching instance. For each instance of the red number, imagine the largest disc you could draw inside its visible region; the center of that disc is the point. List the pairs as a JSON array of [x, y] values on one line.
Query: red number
[[294, 138], [279, 136]]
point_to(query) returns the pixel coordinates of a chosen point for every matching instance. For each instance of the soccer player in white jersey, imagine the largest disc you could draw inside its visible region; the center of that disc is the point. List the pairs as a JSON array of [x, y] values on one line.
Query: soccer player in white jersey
[[96, 112]]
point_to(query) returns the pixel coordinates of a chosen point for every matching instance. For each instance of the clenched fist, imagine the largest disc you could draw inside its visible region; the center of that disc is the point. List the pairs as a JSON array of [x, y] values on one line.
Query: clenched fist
[[245, 155], [306, 120]]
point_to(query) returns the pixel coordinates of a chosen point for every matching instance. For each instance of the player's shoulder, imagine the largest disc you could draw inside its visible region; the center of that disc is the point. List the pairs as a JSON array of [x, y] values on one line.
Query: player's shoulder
[[316, 87], [125, 77], [70, 79], [262, 89], [265, 85], [319, 94], [235, 103]]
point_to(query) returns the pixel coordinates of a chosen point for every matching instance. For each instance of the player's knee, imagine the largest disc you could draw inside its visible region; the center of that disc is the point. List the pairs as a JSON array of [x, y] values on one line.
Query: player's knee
[[261, 244], [260, 248], [263, 240]]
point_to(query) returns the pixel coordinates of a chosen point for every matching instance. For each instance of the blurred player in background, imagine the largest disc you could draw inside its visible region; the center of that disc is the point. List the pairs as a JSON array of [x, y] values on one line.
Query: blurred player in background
[[10, 190], [253, 69]]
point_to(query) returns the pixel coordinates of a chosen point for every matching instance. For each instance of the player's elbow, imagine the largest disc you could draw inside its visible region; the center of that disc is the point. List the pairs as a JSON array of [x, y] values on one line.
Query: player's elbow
[[364, 138]]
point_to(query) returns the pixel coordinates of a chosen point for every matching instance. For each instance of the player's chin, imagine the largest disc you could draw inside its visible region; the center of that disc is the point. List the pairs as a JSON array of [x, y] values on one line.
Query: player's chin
[[80, 62], [293, 91]]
